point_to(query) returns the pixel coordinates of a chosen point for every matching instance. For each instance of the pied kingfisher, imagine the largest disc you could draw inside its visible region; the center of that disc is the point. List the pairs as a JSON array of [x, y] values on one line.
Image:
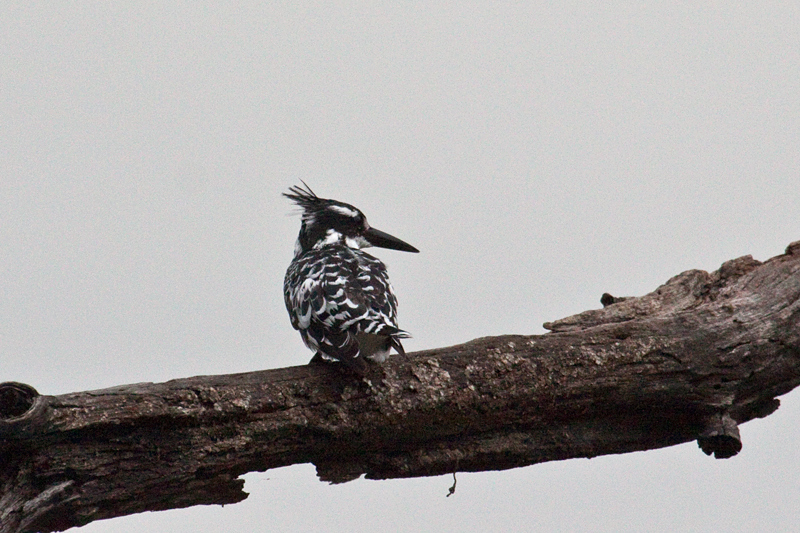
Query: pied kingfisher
[[338, 296]]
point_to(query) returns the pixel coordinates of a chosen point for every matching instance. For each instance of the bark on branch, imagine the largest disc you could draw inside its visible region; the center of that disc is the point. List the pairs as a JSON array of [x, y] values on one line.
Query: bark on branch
[[690, 361]]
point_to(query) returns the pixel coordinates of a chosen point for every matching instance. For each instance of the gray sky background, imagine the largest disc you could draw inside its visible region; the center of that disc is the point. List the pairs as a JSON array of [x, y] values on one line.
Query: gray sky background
[[537, 155]]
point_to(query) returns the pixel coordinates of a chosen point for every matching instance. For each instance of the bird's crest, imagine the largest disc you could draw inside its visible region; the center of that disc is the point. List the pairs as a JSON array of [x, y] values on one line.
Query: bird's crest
[[305, 198]]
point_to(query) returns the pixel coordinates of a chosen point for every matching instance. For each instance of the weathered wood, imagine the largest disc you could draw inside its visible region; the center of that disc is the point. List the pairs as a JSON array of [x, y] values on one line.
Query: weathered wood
[[690, 361]]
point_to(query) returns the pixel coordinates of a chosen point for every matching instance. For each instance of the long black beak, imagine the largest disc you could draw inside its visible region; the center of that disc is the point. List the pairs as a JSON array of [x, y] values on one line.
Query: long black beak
[[383, 240]]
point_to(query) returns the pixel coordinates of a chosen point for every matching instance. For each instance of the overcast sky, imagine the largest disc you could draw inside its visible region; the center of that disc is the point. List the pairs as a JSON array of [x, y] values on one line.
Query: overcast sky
[[538, 156]]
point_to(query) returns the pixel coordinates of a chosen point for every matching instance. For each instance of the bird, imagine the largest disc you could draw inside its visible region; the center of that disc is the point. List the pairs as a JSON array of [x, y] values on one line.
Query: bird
[[338, 296]]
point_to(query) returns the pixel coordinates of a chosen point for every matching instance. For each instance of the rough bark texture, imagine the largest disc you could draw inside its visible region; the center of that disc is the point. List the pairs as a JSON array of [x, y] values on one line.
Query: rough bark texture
[[690, 361]]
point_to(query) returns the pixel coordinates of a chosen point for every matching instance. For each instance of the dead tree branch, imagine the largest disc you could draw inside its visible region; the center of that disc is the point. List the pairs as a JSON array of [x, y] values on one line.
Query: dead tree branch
[[690, 361]]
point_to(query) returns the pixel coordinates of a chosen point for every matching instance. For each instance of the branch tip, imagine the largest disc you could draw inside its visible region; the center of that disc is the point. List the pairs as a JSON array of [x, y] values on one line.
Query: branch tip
[[16, 399]]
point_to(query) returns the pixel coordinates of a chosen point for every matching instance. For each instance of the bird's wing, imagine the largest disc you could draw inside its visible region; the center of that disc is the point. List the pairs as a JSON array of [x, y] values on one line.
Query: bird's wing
[[335, 294]]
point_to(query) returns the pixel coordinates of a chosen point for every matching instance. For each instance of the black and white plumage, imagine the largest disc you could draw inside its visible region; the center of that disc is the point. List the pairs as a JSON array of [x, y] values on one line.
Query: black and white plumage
[[338, 296]]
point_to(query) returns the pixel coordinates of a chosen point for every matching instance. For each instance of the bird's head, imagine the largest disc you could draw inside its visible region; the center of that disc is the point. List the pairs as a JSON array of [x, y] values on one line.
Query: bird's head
[[329, 221]]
